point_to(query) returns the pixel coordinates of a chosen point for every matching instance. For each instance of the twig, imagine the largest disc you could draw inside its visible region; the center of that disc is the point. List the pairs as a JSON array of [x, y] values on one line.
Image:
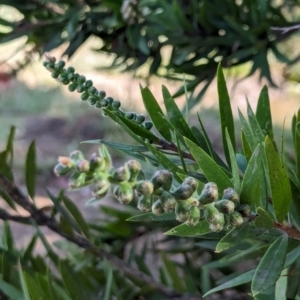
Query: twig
[[44, 220]]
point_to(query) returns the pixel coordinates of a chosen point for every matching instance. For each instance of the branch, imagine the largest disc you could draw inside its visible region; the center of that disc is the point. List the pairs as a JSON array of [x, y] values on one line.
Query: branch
[[44, 220]]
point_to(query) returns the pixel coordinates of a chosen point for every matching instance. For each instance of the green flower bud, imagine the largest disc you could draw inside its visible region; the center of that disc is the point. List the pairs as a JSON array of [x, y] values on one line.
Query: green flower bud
[[66, 82], [194, 216], [232, 195], [144, 204], [121, 174], [97, 163], [102, 94], [71, 77], [76, 155], [182, 211], [216, 227], [79, 182], [225, 206], [92, 100], [167, 201], [212, 214], [70, 70], [148, 125], [129, 115], [92, 90], [236, 219], [61, 169], [183, 192], [61, 64], [145, 187], [162, 179], [116, 105], [101, 188], [80, 88], [192, 182], [88, 84], [104, 102], [84, 96], [81, 80], [124, 193], [140, 119], [55, 74], [192, 201], [157, 208], [134, 168], [72, 87], [209, 193], [244, 210], [82, 166]]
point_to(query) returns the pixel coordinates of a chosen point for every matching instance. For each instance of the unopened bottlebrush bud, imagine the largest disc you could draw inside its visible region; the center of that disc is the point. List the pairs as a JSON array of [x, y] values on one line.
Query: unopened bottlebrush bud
[[116, 104], [101, 188], [139, 119], [81, 79], [55, 74], [61, 169], [92, 100], [232, 195], [162, 179], [124, 192], [61, 64], [194, 216], [192, 201], [225, 206], [76, 155], [88, 84], [244, 210], [168, 201], [144, 187], [157, 208], [209, 193], [134, 168], [144, 204], [65, 161], [71, 77], [70, 70], [80, 88], [102, 94], [97, 163], [148, 125], [236, 219], [82, 166], [216, 227], [121, 174], [183, 192], [92, 90], [182, 211], [78, 182], [72, 87], [212, 214], [84, 96], [129, 115], [192, 182]]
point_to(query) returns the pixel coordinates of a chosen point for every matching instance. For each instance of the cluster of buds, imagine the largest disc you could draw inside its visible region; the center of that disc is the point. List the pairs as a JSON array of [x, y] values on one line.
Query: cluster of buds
[[157, 195], [89, 93]]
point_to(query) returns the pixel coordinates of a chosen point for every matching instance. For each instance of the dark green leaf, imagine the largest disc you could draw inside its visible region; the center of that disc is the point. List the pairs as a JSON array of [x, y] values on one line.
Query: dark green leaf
[[109, 279], [279, 180], [225, 112], [156, 113], [263, 220], [151, 217], [184, 230], [7, 199], [233, 237], [35, 290], [23, 283], [270, 266], [10, 290], [263, 113], [209, 168], [30, 170]]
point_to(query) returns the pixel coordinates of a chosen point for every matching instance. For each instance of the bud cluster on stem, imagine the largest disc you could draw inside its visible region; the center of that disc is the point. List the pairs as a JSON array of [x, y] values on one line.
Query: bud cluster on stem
[[158, 195]]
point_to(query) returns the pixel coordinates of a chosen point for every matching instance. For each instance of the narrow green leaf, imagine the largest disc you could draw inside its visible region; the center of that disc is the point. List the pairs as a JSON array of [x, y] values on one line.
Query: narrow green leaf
[[263, 113], [175, 116], [31, 170], [9, 240], [183, 164], [292, 256], [184, 230], [151, 217], [241, 279], [296, 136], [225, 112], [35, 290], [250, 184], [263, 220], [28, 251], [247, 132], [23, 283], [74, 211], [255, 127], [234, 165], [279, 182], [156, 113], [210, 169], [165, 161], [270, 266], [281, 285], [109, 279], [246, 149], [10, 146], [232, 238], [10, 290], [7, 199]]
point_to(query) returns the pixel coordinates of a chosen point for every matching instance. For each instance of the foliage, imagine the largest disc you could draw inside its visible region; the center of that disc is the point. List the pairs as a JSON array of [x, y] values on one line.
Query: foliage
[[235, 208], [200, 34]]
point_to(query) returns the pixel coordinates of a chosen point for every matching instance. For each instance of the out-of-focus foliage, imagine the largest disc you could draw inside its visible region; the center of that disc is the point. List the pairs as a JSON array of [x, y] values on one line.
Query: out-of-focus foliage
[[200, 33]]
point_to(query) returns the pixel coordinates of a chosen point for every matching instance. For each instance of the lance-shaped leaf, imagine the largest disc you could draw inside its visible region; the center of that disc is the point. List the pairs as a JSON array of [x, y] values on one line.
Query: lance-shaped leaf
[[175, 116], [279, 182], [232, 238], [296, 136], [263, 220], [30, 170], [155, 113], [263, 113], [184, 230], [270, 266], [210, 169], [151, 217], [225, 112]]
